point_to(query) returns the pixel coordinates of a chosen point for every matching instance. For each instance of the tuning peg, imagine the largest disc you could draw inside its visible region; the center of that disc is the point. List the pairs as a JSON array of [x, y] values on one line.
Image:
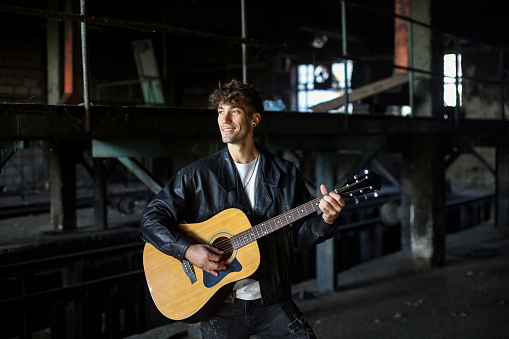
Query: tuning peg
[[356, 201], [365, 197], [366, 171], [356, 177], [375, 194]]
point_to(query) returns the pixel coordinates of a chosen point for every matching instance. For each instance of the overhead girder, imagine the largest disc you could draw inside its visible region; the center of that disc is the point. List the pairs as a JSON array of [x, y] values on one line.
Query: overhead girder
[[45, 122]]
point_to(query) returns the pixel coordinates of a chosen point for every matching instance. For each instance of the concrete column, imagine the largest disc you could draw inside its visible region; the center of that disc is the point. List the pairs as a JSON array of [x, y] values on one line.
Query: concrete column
[[326, 279], [502, 211], [100, 203], [62, 173], [406, 203], [426, 205]]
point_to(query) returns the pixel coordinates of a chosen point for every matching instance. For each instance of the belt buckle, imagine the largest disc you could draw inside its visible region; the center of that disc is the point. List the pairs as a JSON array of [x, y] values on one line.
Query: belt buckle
[[230, 298]]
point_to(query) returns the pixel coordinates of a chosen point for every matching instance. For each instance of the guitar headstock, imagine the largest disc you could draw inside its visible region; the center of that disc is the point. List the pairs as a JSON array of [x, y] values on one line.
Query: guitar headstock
[[361, 184]]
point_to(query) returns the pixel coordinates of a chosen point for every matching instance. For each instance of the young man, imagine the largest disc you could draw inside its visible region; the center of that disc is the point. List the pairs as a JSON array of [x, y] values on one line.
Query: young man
[[263, 186]]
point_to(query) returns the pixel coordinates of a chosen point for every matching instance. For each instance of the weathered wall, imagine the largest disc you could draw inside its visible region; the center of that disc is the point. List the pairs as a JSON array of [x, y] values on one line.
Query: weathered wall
[[22, 62], [469, 172]]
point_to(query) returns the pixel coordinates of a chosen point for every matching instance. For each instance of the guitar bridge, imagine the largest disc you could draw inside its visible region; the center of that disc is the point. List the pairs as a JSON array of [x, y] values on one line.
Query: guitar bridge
[[189, 271]]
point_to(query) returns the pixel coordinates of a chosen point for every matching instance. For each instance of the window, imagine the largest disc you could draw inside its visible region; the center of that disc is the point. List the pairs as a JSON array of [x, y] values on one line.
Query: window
[[322, 83], [450, 80]]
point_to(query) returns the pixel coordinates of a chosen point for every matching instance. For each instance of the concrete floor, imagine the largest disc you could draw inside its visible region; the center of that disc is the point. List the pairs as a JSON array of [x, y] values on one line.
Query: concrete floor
[[387, 298], [384, 298]]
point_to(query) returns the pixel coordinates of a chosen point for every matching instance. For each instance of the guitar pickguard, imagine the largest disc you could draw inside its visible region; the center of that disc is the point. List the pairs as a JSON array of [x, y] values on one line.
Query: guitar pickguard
[[210, 280]]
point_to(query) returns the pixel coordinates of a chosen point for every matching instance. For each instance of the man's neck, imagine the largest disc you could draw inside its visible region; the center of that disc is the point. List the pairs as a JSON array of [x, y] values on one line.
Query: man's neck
[[243, 153]]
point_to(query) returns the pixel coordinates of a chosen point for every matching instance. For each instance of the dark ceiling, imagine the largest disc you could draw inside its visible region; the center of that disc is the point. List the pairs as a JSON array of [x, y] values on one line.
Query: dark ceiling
[[291, 21]]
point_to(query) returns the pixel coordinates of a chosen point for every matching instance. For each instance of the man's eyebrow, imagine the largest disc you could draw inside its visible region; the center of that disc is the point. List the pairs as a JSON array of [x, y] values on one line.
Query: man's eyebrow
[[231, 107]]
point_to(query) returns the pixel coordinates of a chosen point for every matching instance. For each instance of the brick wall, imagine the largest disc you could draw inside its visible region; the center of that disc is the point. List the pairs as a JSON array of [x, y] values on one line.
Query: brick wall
[[22, 61]]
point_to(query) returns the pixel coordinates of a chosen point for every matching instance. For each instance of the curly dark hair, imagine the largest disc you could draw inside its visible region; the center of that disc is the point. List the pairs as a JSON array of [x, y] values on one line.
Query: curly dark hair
[[236, 92]]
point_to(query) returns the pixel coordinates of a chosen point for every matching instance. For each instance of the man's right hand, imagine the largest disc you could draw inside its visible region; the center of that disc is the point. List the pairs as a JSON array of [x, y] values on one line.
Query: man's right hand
[[206, 257]]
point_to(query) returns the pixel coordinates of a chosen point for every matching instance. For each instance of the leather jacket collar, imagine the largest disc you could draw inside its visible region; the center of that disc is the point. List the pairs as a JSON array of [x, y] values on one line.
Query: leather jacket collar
[[227, 178], [269, 175]]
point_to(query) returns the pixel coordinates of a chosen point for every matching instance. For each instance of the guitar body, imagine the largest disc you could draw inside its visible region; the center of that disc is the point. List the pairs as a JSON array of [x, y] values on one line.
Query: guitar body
[[174, 294]]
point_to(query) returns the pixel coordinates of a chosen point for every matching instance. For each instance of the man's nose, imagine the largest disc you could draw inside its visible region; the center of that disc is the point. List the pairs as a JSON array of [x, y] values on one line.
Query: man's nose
[[227, 117]]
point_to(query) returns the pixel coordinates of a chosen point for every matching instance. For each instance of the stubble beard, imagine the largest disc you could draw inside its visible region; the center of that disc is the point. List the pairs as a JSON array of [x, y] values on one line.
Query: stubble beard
[[235, 138]]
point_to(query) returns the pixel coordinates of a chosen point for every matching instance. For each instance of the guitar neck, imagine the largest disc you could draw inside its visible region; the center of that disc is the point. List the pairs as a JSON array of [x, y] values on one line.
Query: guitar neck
[[271, 225], [351, 190]]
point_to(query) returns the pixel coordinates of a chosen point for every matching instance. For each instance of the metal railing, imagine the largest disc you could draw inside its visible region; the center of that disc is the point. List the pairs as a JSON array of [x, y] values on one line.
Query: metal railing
[[244, 41]]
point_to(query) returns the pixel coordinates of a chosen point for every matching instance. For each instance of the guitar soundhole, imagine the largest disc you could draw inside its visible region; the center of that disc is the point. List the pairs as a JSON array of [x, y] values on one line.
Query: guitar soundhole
[[224, 244]]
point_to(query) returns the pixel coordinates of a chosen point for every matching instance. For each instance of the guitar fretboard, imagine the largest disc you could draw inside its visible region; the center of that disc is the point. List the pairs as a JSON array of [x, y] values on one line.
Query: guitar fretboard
[[271, 225], [350, 190]]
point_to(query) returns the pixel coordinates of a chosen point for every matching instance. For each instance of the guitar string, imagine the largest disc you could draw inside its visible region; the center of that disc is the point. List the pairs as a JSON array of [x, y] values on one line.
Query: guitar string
[[227, 242]]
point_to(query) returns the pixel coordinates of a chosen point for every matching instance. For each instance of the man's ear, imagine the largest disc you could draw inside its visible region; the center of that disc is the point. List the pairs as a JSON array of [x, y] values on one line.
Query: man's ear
[[257, 117]]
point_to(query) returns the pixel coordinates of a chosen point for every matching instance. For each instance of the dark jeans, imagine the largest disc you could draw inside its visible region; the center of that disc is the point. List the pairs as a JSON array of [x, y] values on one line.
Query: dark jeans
[[245, 318]]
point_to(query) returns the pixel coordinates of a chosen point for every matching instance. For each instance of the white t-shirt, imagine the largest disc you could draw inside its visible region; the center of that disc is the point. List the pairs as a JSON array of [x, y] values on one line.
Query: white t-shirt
[[248, 289], [249, 175]]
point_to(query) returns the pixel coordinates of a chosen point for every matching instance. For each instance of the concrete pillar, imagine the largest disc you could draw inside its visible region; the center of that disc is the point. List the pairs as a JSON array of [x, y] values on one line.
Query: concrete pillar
[[62, 170], [502, 210], [427, 229], [326, 279], [62, 173], [100, 203], [406, 203]]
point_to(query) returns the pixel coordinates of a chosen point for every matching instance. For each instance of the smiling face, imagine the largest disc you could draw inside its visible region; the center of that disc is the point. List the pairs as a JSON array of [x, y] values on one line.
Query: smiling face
[[236, 122]]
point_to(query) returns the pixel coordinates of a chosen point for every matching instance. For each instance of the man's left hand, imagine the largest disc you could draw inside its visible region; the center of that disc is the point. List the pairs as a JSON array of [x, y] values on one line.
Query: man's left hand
[[331, 205]]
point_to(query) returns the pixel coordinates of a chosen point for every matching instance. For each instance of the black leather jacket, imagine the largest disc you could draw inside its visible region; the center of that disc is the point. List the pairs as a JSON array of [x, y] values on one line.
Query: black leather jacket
[[211, 185]]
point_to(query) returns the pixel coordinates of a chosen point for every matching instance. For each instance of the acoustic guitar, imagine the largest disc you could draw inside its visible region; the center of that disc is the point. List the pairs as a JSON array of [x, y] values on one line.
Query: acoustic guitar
[[186, 293]]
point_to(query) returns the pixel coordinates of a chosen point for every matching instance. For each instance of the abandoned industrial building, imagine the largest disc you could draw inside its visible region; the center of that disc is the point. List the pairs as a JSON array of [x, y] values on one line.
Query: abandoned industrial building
[[401, 106]]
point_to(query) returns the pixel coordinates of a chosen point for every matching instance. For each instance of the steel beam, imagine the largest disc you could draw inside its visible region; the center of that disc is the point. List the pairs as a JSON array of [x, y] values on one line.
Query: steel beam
[[182, 148], [6, 156], [44, 122], [11, 147], [142, 173]]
